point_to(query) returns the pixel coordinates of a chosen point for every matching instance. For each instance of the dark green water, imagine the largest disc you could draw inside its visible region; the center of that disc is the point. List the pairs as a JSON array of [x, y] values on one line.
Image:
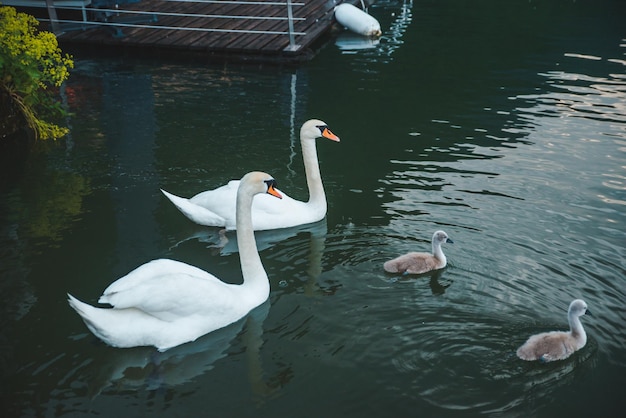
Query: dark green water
[[503, 123]]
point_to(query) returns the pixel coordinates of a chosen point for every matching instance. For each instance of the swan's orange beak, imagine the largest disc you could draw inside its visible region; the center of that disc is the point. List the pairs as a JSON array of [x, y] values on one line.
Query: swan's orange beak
[[326, 133], [271, 189]]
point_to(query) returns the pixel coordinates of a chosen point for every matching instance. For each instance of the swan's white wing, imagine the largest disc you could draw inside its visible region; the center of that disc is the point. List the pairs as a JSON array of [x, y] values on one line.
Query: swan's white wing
[[267, 211], [221, 201], [272, 213], [154, 268], [174, 295], [266, 205]]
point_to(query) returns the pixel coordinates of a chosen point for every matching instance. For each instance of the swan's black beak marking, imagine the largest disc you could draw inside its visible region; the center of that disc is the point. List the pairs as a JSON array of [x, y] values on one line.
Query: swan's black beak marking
[[271, 188], [326, 133]]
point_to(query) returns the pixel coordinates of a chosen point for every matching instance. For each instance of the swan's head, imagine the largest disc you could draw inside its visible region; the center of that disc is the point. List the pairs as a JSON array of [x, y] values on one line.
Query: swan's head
[[578, 307], [258, 182], [316, 128], [440, 237]]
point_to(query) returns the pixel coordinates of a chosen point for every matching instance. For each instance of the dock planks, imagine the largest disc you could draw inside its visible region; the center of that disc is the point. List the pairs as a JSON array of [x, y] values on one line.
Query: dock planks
[[229, 42]]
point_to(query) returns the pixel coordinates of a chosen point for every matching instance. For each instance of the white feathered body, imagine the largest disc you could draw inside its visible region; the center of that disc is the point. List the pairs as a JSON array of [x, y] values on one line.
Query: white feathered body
[[217, 207], [165, 303], [267, 212]]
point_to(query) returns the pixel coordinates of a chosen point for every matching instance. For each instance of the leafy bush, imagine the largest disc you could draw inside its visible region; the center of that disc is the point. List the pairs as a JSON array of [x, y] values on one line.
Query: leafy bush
[[31, 63]]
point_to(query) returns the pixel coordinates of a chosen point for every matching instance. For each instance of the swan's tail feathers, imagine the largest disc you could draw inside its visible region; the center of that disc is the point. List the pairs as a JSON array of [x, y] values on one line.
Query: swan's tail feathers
[[195, 213], [89, 315], [80, 307]]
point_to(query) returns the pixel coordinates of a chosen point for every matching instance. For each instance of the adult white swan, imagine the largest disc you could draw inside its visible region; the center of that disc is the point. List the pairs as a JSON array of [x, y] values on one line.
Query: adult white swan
[[165, 303], [558, 345], [217, 207]]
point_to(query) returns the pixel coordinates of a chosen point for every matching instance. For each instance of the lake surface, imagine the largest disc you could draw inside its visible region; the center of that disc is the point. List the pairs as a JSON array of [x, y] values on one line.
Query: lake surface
[[503, 123]]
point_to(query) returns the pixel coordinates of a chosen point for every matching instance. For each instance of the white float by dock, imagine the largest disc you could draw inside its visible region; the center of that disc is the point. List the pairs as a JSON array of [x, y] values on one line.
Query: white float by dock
[[357, 21]]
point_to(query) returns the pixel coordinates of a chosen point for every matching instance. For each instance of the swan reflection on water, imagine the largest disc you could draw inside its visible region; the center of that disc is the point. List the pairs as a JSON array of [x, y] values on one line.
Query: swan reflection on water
[[225, 242]]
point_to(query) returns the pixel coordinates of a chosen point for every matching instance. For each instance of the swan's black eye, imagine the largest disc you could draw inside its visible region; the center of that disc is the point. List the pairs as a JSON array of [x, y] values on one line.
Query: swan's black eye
[[322, 127], [271, 183]]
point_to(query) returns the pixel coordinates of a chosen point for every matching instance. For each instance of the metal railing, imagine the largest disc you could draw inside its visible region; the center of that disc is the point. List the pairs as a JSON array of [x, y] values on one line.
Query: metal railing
[[149, 19]]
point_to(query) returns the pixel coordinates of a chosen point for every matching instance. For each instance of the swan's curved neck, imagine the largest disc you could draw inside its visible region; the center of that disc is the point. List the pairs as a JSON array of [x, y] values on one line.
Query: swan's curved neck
[[312, 170], [438, 252], [251, 267], [576, 328]]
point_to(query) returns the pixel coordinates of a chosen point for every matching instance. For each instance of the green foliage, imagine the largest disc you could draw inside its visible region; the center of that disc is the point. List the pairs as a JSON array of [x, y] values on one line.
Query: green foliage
[[31, 63]]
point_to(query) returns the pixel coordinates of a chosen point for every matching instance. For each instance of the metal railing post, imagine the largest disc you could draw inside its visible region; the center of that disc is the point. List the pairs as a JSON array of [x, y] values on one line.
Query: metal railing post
[[54, 21], [292, 42]]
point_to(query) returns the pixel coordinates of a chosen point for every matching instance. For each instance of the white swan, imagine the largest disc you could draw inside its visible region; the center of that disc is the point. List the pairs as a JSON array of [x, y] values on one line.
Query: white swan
[[558, 345], [217, 207], [419, 263], [165, 303]]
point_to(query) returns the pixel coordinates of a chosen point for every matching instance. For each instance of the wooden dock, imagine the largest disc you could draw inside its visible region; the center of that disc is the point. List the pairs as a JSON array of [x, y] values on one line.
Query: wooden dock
[[250, 30]]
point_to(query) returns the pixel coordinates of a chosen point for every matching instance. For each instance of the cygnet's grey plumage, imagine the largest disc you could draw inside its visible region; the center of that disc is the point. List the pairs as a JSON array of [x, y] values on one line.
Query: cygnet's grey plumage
[[419, 263], [558, 345]]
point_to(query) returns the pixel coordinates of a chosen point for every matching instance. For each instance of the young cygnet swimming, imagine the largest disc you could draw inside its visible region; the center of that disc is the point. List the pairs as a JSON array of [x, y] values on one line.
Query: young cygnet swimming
[[418, 263], [558, 345]]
